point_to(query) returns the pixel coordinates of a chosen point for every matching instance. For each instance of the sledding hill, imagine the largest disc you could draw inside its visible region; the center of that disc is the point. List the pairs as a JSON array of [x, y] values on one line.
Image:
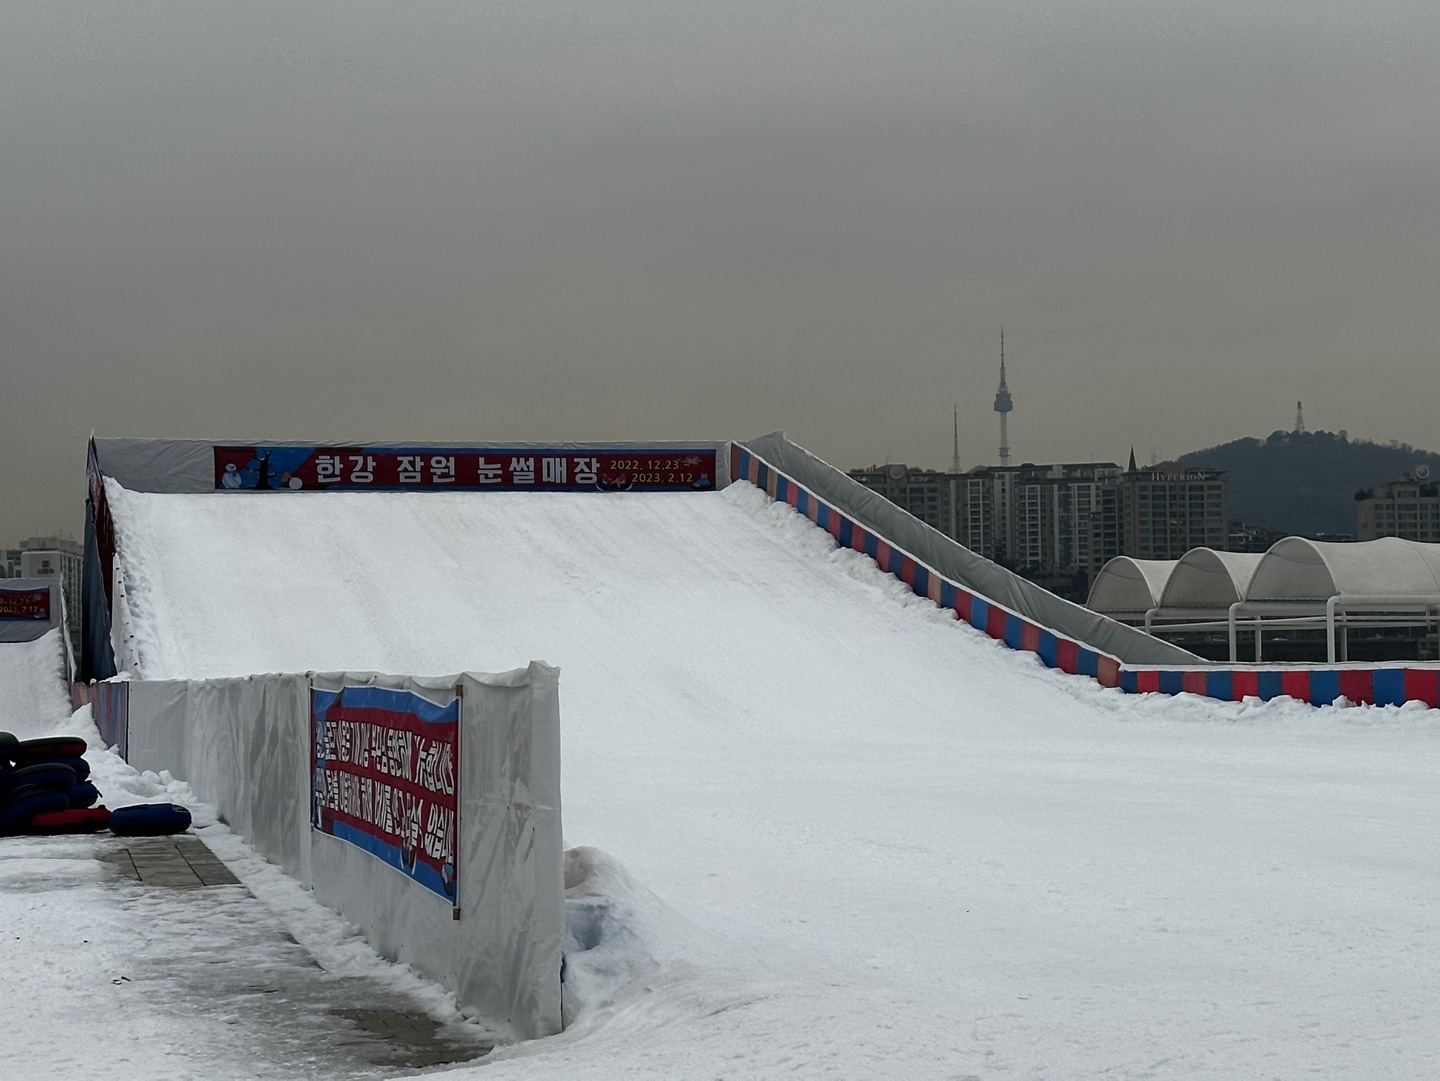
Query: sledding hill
[[33, 695], [879, 843]]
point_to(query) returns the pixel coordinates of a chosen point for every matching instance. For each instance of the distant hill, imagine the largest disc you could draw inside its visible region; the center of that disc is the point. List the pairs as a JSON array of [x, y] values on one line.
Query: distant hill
[[1305, 482]]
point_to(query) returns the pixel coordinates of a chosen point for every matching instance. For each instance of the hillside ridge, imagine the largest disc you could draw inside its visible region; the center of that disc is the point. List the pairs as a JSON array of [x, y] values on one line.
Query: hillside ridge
[[1305, 483]]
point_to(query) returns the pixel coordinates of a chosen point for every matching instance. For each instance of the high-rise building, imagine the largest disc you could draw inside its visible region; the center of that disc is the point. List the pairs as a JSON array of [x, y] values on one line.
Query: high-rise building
[[928, 494], [1407, 507], [1043, 518], [52, 557], [1057, 524], [1168, 510]]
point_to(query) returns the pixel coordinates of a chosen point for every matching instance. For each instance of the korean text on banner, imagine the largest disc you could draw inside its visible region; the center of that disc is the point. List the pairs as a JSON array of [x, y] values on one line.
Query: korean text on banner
[[385, 764], [29, 604], [281, 468]]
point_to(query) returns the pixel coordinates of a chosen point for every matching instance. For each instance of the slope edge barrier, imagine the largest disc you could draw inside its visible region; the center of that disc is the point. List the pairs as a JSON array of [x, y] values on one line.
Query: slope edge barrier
[[425, 811], [1184, 673]]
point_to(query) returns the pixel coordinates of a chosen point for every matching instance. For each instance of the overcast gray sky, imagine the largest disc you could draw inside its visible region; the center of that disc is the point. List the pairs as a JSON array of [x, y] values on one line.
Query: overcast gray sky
[[670, 218]]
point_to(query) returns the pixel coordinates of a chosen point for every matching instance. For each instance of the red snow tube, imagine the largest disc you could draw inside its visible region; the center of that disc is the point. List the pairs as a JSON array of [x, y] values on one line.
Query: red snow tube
[[17, 816], [74, 821]]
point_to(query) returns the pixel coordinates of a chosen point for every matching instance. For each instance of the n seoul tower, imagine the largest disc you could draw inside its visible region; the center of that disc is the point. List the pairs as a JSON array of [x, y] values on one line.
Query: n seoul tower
[[1003, 405]]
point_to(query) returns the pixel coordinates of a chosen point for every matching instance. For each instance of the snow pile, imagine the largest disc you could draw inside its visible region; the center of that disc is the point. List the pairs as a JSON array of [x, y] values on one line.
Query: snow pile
[[619, 933]]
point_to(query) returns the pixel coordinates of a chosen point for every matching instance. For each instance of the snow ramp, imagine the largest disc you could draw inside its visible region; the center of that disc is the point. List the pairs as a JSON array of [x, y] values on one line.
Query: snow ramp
[[34, 695], [895, 847], [725, 596]]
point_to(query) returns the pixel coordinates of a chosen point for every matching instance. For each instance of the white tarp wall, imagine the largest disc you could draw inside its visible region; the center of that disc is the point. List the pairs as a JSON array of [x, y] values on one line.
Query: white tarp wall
[[245, 744]]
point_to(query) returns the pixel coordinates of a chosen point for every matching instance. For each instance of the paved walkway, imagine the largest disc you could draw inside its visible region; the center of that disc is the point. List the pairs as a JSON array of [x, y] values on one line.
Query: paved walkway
[[181, 863], [194, 977], [352, 1018]]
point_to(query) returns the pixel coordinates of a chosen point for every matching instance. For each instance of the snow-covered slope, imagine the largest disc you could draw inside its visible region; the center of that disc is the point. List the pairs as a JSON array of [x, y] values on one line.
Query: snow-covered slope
[[33, 694], [879, 843]]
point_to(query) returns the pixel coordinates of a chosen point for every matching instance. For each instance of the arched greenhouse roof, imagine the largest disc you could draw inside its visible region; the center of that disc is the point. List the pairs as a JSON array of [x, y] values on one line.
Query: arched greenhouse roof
[[1205, 578], [1127, 585], [1295, 569]]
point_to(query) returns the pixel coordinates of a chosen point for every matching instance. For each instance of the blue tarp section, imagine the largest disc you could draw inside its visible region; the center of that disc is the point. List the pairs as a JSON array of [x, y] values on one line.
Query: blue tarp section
[[97, 657]]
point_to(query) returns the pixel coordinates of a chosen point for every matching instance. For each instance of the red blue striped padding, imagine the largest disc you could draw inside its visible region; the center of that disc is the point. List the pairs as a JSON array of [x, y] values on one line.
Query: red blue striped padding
[[1320, 686]]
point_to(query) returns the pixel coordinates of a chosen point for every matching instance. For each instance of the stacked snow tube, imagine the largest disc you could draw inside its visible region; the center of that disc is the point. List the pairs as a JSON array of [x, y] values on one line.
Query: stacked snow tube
[[45, 788]]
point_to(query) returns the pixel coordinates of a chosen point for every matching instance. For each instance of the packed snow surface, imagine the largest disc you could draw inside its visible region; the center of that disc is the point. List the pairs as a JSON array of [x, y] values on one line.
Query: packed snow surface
[[836, 832], [33, 692], [113, 979]]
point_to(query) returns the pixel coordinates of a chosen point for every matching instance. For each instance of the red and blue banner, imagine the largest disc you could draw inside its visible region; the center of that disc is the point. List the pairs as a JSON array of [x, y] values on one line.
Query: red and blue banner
[[386, 763], [289, 469], [26, 604], [110, 705]]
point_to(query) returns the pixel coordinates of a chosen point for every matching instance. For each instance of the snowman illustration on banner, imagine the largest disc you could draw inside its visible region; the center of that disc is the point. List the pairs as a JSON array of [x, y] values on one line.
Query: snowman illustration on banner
[[270, 469]]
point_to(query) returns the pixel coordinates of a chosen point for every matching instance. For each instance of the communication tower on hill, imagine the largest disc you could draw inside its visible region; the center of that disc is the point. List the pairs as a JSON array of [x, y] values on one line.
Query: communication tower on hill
[[1003, 405], [1299, 418]]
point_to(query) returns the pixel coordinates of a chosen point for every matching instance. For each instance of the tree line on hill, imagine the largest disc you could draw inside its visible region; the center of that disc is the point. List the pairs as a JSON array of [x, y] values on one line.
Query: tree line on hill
[[1306, 483]]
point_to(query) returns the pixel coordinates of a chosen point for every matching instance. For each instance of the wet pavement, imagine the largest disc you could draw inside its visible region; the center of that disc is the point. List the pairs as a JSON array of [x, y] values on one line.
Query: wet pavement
[[211, 972]]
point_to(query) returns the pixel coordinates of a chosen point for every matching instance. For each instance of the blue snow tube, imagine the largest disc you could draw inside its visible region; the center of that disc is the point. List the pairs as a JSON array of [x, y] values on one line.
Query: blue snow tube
[[83, 795], [15, 817], [149, 820], [45, 777], [79, 765]]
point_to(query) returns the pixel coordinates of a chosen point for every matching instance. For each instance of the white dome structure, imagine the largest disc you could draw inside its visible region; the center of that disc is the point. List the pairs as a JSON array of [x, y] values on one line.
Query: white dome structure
[[1298, 583], [1206, 579], [1296, 569], [1128, 588]]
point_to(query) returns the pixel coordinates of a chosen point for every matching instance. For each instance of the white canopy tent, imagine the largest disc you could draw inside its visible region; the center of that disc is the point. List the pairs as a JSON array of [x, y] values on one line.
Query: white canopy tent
[[1298, 583], [1392, 581], [1209, 580], [1296, 569], [1127, 588]]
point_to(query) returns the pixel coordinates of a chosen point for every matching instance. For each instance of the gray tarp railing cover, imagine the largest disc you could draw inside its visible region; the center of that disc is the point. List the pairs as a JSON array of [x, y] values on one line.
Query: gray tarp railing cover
[[962, 566]]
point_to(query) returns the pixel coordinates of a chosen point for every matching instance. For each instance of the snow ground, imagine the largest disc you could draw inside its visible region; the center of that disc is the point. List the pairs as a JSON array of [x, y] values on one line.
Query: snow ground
[[33, 692], [866, 841], [114, 979]]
